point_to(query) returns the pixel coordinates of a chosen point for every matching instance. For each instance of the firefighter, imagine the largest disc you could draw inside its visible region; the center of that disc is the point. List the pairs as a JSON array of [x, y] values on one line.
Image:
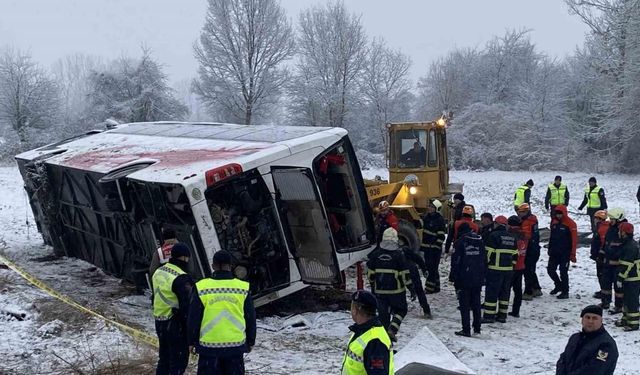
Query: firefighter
[[369, 349], [385, 218], [163, 253], [594, 200], [597, 246], [514, 224], [389, 278], [433, 233], [222, 320], [629, 278], [522, 194], [486, 225], [611, 261], [531, 236], [563, 243], [502, 254], [172, 288], [467, 218], [557, 193], [468, 273]]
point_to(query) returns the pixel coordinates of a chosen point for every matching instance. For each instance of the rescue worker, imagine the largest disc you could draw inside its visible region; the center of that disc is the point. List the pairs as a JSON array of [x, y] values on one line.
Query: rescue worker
[[172, 287], [557, 193], [433, 232], [591, 351], [514, 223], [597, 246], [502, 254], [563, 242], [163, 253], [467, 218], [594, 200], [486, 225], [222, 320], [638, 195], [385, 218], [468, 272], [388, 275], [611, 261], [458, 206], [369, 349], [522, 194], [531, 236], [629, 278]]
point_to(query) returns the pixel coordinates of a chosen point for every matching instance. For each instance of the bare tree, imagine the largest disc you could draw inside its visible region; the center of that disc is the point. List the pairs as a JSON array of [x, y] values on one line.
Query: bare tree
[[241, 49], [28, 97]]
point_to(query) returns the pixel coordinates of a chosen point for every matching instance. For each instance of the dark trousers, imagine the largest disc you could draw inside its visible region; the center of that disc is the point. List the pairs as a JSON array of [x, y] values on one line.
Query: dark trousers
[[432, 260], [530, 277], [417, 286], [591, 212], [609, 278], [496, 293], [392, 308], [561, 281], [173, 352], [469, 300], [631, 315], [232, 365], [516, 285], [600, 273]]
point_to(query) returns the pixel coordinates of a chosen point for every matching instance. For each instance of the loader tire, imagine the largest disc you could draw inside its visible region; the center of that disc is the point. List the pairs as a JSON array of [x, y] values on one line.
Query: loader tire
[[408, 235]]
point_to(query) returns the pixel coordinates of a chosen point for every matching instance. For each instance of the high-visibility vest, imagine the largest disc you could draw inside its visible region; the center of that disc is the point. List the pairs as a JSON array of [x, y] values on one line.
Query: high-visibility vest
[[164, 299], [353, 361], [593, 197], [519, 196], [223, 324], [557, 194]]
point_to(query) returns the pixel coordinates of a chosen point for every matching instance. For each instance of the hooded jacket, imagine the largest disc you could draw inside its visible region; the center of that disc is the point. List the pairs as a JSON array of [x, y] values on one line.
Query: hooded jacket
[[563, 241]]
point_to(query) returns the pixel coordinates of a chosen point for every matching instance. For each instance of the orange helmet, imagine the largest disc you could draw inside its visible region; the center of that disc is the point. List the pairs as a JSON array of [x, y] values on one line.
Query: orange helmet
[[601, 214], [524, 207], [383, 205], [467, 210]]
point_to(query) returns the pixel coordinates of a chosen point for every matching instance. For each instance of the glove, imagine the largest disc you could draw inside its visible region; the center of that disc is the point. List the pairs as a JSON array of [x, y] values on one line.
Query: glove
[[573, 259], [619, 284]]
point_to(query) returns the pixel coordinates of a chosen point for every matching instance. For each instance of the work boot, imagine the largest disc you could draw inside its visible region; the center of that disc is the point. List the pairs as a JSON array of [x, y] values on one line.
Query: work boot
[[615, 310], [527, 297], [476, 332], [486, 320], [597, 295], [629, 328], [537, 293], [426, 312], [620, 323], [555, 291], [501, 319], [514, 314], [563, 295], [463, 333], [604, 306]]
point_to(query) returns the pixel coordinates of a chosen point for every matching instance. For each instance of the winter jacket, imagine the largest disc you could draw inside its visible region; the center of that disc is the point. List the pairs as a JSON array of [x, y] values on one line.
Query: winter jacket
[[612, 245], [638, 194], [486, 231], [593, 353], [468, 262], [457, 215], [597, 241], [376, 355], [388, 271], [530, 232], [413, 257], [522, 248], [564, 236], [629, 268], [453, 233], [385, 221], [603, 199], [502, 250], [548, 197], [433, 231]]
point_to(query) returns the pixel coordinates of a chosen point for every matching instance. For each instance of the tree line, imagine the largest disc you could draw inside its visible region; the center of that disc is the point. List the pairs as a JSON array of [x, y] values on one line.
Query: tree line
[[514, 107]]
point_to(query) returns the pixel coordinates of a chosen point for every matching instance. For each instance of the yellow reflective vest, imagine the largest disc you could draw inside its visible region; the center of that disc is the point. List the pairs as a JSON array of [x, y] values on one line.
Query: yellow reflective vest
[[223, 324], [557, 194], [518, 199], [593, 197], [164, 299], [353, 361]]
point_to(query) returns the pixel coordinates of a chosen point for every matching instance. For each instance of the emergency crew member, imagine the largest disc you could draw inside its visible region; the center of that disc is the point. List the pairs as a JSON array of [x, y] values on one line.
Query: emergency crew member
[[468, 272], [502, 254], [163, 253], [611, 261], [629, 278], [385, 219], [171, 289], [597, 246], [514, 223], [389, 278], [522, 195], [433, 233], [557, 193], [458, 206], [486, 225], [222, 320], [467, 218], [369, 349], [591, 351], [563, 242], [531, 236], [594, 199]]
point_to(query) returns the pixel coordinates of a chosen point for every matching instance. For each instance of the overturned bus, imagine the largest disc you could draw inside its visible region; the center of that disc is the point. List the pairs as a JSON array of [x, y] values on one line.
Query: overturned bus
[[288, 202]]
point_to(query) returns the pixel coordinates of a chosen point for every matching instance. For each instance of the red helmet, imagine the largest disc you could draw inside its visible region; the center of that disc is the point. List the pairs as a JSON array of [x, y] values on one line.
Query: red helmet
[[501, 220], [626, 228]]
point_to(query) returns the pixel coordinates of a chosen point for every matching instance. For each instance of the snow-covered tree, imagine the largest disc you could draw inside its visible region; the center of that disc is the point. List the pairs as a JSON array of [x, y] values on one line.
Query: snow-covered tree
[[241, 50]]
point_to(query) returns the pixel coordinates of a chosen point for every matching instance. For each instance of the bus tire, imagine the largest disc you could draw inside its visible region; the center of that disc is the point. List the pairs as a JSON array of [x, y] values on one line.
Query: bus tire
[[408, 235]]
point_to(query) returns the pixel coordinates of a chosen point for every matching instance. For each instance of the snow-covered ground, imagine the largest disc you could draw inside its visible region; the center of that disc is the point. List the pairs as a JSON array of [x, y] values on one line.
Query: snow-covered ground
[[52, 334]]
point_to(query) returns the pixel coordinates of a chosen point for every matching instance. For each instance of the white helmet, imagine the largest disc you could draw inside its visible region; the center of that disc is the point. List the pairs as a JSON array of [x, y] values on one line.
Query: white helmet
[[616, 214], [436, 203]]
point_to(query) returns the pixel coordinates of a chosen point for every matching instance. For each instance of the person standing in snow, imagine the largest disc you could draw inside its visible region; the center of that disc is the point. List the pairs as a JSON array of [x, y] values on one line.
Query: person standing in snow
[[594, 200], [611, 262], [557, 193], [454, 233], [563, 243], [591, 351], [433, 233], [513, 227], [458, 206], [388, 275], [531, 236], [597, 246], [172, 286], [486, 225], [522, 194], [369, 349], [629, 279], [468, 272]]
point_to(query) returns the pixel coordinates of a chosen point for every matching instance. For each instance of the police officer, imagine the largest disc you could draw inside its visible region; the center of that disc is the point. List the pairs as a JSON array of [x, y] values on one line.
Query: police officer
[[594, 199], [629, 278], [522, 194], [171, 289], [502, 254], [591, 351], [222, 320], [433, 234], [388, 275], [557, 193], [611, 261], [468, 271], [369, 349]]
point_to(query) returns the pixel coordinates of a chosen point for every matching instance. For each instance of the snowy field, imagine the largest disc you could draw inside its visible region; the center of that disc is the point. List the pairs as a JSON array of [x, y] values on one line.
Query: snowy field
[[52, 338]]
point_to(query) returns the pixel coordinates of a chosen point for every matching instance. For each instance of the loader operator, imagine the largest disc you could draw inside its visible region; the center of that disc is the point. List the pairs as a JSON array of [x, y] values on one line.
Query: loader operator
[[416, 157]]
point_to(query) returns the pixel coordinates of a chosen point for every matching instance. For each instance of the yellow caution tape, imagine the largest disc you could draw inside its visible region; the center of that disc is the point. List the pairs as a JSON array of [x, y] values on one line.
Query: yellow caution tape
[[133, 332]]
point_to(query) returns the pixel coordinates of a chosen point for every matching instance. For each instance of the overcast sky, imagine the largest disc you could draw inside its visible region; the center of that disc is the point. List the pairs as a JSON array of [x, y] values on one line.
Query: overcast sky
[[423, 29]]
